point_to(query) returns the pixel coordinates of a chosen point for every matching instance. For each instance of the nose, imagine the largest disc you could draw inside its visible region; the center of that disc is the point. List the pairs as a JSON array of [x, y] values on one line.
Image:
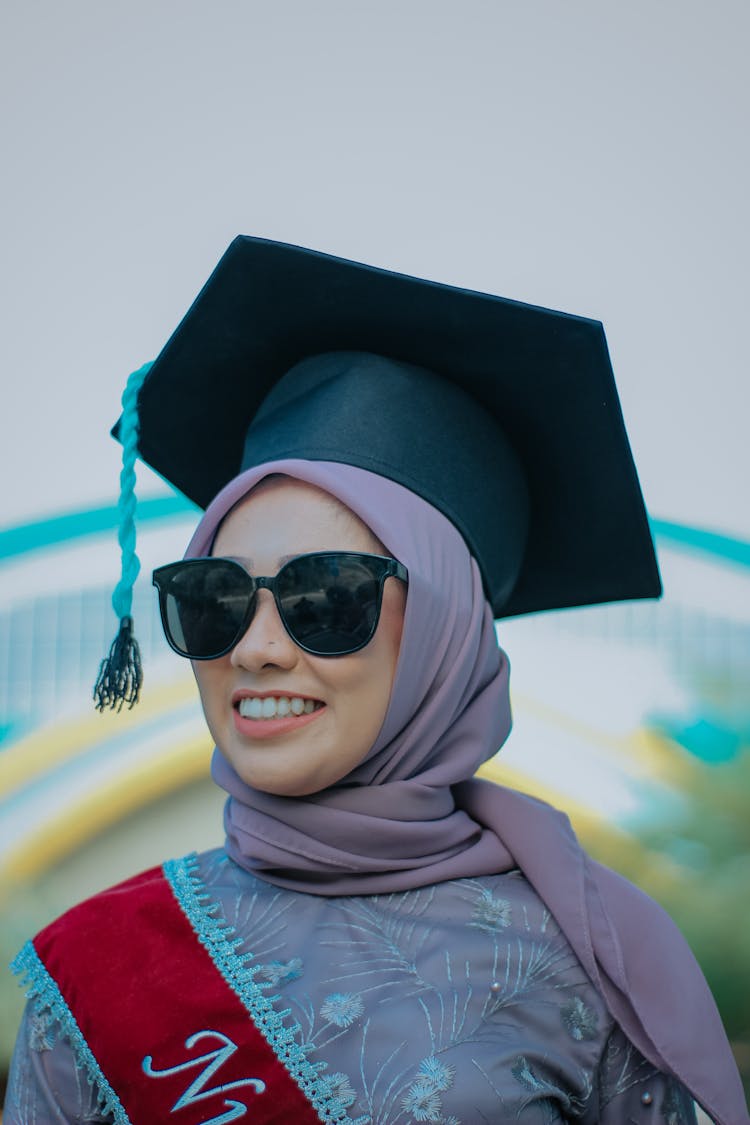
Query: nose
[[265, 643]]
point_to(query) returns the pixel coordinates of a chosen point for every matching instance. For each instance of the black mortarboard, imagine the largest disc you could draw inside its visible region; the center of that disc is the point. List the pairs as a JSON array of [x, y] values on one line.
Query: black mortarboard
[[503, 415]]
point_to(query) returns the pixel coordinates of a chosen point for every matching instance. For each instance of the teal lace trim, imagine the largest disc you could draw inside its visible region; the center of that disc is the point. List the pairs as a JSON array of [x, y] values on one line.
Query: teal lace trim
[[221, 942], [46, 997]]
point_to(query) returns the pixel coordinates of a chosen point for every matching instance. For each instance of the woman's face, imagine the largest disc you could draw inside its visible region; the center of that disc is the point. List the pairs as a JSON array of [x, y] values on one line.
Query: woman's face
[[293, 756]]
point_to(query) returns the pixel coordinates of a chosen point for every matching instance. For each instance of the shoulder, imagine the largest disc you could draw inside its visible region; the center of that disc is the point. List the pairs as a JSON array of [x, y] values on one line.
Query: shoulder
[[145, 904], [113, 908], [505, 901], [619, 915], [138, 894]]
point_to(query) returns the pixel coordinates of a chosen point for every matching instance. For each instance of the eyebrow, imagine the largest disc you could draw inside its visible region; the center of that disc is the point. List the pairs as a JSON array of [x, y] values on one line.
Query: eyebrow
[[247, 562]]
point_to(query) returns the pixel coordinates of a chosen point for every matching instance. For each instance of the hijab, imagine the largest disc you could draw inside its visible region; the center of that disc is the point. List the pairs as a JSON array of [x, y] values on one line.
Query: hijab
[[412, 814]]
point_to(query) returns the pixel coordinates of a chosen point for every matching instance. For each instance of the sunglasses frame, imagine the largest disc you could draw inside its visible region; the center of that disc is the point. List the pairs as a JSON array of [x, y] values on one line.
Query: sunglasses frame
[[388, 568]]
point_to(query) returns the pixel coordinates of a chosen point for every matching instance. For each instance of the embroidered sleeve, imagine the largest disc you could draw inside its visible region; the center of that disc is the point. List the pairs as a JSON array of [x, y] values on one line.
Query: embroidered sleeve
[[631, 1089], [44, 1084]]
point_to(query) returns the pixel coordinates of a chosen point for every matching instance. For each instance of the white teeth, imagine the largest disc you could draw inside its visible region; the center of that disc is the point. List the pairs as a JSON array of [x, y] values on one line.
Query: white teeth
[[275, 707]]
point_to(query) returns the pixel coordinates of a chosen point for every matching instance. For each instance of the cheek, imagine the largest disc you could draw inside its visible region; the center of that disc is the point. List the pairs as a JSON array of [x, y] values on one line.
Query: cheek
[[366, 689], [382, 661], [391, 625], [208, 678]]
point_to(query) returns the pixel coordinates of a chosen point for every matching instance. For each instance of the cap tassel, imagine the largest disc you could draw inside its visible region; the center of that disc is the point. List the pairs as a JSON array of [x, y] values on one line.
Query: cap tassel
[[121, 672]]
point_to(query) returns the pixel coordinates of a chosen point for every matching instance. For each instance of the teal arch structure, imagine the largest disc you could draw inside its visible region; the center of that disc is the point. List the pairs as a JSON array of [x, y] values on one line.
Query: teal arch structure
[[51, 532], [700, 541]]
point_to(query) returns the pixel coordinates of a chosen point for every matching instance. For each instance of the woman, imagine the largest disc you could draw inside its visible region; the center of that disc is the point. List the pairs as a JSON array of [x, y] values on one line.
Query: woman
[[409, 944]]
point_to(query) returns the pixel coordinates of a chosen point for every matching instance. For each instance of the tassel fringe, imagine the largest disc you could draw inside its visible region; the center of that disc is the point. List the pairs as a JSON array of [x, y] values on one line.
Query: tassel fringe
[[120, 673]]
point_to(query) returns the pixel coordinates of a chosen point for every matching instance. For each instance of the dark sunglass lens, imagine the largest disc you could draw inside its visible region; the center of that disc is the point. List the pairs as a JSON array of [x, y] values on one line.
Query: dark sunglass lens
[[206, 606], [330, 602]]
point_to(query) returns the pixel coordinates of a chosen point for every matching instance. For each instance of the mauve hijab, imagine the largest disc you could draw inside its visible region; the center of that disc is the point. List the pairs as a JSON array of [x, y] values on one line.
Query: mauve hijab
[[412, 814]]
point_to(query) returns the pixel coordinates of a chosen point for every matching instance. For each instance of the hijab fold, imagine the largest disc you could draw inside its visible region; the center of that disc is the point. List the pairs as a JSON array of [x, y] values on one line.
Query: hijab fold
[[412, 814]]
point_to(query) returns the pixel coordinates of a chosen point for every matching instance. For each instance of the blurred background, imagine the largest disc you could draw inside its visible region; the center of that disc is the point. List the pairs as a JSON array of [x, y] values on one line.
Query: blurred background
[[587, 156]]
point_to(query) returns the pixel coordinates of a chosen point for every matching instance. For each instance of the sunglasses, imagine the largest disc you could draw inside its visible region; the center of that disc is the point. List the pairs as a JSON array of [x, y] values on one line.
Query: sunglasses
[[329, 602]]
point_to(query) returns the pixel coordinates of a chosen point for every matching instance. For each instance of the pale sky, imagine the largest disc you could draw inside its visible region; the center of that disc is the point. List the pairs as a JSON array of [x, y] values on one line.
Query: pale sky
[[588, 155]]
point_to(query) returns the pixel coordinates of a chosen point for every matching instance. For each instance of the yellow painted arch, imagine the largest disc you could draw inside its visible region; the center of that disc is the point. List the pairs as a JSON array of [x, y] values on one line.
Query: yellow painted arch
[[83, 819], [185, 762], [52, 745]]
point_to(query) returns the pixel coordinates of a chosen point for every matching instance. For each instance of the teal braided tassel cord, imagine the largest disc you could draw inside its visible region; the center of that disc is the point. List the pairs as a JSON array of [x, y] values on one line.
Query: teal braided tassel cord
[[121, 672]]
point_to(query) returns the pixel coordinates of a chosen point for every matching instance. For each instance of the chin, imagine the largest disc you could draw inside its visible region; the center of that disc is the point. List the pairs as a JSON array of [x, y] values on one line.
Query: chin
[[282, 786]]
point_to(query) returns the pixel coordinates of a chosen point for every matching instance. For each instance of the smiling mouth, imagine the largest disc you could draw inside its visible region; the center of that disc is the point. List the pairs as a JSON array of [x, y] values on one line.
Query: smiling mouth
[[276, 707]]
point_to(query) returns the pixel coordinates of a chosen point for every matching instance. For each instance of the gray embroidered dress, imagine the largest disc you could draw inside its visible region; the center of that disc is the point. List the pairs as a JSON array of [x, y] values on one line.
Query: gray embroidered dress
[[455, 1003]]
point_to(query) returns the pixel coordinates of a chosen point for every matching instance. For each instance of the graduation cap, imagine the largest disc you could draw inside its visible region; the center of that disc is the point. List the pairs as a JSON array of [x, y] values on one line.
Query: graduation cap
[[501, 414]]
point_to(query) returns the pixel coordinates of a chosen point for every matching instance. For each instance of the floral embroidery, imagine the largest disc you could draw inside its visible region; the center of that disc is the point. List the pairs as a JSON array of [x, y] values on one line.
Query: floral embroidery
[[580, 1021], [342, 1008], [42, 1035], [556, 1103], [623, 1068], [342, 1089], [423, 1100], [490, 913], [523, 1073], [437, 1073], [280, 972]]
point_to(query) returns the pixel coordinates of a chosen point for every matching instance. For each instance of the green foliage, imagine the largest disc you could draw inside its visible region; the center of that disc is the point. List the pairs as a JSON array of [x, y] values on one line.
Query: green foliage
[[696, 862], [707, 839]]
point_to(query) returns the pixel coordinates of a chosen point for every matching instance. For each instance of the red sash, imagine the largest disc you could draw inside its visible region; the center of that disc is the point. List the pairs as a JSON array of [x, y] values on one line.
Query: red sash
[[172, 1038]]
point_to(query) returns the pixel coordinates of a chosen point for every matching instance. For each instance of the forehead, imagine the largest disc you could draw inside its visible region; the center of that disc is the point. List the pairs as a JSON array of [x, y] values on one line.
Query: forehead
[[282, 517]]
